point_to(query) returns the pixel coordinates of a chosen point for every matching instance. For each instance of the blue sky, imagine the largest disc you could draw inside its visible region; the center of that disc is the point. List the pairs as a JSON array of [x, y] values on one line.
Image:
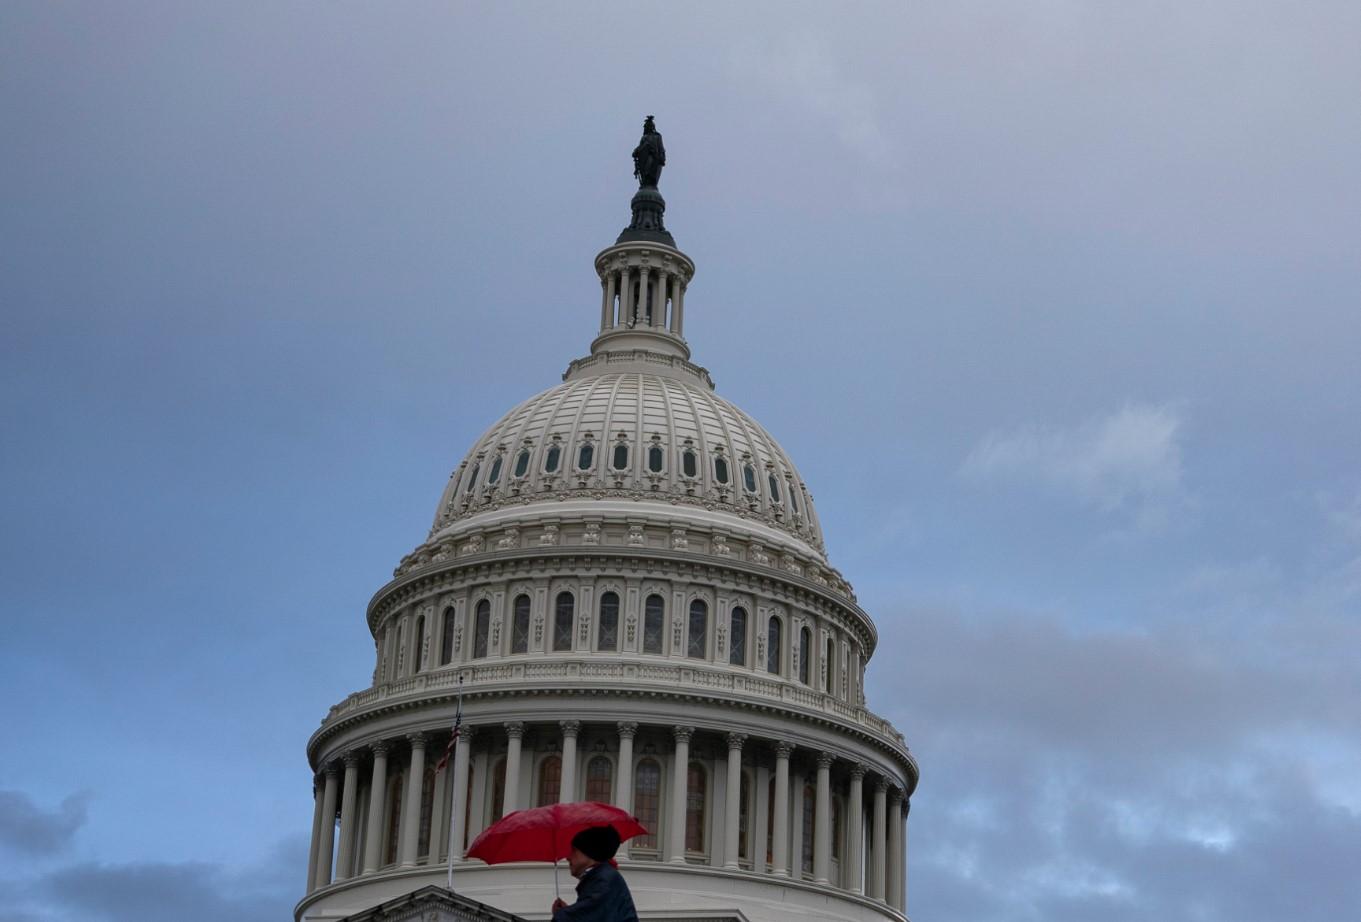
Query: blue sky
[[1054, 304]]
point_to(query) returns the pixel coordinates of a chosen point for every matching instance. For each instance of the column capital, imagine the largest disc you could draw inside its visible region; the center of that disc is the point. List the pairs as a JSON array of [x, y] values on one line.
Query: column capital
[[418, 739], [736, 741], [514, 729], [627, 729], [881, 785], [858, 771], [351, 758], [683, 734], [330, 769], [570, 727], [467, 734], [895, 794], [380, 748], [783, 748], [825, 759]]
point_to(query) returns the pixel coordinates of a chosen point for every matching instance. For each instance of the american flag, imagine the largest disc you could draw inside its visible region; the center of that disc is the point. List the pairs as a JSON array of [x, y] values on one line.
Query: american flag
[[453, 740]]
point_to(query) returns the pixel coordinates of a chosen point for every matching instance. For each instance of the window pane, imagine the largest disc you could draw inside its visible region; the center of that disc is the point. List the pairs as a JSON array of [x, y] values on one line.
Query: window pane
[[481, 629], [721, 469], [655, 457], [419, 637], [809, 816], [737, 646], [472, 478], [522, 463], [774, 637], [586, 456], [688, 467], [498, 789], [495, 474], [774, 489], [550, 781], [599, 775], [551, 461], [694, 807], [621, 457], [519, 635], [647, 792], [697, 641], [805, 653], [446, 647], [607, 638], [749, 478], [652, 624], [562, 621], [744, 817]]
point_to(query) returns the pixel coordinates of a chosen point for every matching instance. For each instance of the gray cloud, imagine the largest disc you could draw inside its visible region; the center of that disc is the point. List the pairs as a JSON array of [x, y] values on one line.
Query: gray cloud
[[28, 829]]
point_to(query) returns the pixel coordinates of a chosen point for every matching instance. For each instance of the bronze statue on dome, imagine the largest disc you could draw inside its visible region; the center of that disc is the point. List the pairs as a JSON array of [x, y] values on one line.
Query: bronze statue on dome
[[649, 156]]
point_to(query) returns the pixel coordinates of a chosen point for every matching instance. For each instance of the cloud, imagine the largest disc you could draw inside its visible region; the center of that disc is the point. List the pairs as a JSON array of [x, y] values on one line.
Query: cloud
[[1128, 461], [30, 830]]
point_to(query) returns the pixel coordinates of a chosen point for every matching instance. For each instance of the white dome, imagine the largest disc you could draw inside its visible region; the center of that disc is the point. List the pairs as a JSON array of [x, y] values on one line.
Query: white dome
[[660, 437]]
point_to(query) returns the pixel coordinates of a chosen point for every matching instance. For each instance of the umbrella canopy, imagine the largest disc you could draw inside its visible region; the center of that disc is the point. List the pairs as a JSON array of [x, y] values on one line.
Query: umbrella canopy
[[545, 833]]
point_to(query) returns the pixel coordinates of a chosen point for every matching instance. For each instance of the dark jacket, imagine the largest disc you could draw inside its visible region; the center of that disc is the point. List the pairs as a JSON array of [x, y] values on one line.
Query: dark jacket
[[602, 896]]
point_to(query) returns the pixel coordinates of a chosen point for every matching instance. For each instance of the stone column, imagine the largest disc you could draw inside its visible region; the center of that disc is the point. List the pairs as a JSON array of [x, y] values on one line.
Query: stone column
[[567, 790], [458, 823], [733, 808], [605, 305], [822, 821], [345, 860], [679, 792], [317, 784], [895, 849], [378, 792], [626, 305], [855, 834], [642, 296], [877, 844], [623, 777], [515, 732], [411, 802], [780, 830], [659, 301], [327, 840], [677, 299]]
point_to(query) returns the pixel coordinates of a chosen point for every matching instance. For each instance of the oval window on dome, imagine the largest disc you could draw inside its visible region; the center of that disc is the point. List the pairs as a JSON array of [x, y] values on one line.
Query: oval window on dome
[[586, 456], [774, 489], [720, 469], [472, 478], [552, 459], [688, 465], [749, 478], [655, 459], [522, 463], [495, 474], [621, 457]]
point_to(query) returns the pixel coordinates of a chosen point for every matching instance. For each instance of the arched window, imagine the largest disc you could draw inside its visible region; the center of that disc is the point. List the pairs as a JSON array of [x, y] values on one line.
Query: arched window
[[446, 644], [498, 789], [697, 637], [418, 645], [749, 478], [427, 811], [495, 474], [564, 612], [770, 821], [392, 822], [809, 804], [620, 462], [472, 479], [744, 818], [805, 654], [696, 791], [401, 649], [647, 798], [550, 781], [774, 488], [519, 628], [586, 455], [720, 469], [656, 458], [653, 626], [774, 640], [552, 458], [689, 465], [607, 632], [599, 778], [829, 662], [522, 462], [737, 644], [481, 629]]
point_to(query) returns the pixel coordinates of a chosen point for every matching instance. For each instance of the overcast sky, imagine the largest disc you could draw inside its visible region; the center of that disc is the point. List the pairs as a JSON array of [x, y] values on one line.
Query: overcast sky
[[1056, 305]]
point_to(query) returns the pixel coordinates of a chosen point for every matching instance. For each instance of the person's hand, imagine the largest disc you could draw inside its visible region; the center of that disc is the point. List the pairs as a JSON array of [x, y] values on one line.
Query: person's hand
[[558, 904]]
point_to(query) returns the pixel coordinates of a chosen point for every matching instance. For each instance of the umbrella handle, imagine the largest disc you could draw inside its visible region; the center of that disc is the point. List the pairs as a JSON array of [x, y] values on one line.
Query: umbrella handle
[[556, 892]]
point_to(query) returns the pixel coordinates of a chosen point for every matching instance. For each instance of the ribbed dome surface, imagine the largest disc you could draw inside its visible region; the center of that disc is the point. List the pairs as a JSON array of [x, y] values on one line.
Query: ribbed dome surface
[[650, 437]]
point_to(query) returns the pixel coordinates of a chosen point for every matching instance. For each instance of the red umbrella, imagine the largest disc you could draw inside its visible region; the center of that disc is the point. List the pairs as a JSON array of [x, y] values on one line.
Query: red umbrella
[[545, 833]]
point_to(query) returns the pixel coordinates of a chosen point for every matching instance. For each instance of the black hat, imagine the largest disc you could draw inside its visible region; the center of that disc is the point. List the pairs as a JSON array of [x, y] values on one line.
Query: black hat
[[599, 843]]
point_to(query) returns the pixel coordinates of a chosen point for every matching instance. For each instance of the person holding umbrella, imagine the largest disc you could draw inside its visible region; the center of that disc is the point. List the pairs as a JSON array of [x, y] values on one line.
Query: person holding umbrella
[[602, 895]]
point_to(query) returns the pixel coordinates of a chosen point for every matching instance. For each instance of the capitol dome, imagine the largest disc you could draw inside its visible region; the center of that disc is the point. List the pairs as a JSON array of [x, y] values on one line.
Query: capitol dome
[[624, 597]]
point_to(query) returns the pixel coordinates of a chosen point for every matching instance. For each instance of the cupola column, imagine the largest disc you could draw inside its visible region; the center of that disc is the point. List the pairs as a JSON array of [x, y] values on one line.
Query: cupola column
[[411, 801], [345, 861], [659, 302], [458, 827], [644, 318], [822, 821], [677, 301], [327, 837], [378, 792], [780, 827], [567, 789], [679, 791], [606, 297], [733, 807], [855, 835], [515, 732], [626, 305], [318, 784], [878, 845]]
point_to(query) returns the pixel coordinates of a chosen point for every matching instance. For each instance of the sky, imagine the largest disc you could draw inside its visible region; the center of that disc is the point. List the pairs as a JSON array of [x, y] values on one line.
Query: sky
[[1054, 304]]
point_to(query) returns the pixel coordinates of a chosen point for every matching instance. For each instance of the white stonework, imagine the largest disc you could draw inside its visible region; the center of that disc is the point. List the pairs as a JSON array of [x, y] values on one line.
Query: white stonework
[[624, 569]]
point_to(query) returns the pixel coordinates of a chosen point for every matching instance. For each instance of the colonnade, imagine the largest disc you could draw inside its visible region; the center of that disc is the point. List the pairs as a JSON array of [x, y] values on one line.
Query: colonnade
[[640, 293], [860, 846]]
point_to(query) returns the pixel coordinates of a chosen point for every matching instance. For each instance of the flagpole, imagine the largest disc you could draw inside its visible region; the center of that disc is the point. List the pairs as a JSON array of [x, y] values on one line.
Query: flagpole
[[454, 804]]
